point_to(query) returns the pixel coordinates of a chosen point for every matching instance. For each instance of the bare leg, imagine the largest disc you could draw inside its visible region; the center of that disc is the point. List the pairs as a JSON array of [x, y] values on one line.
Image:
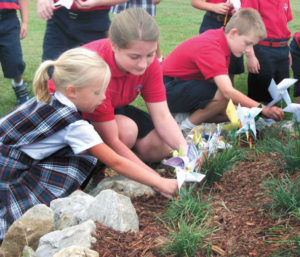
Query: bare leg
[[231, 76], [17, 80], [215, 108], [152, 148], [128, 130], [298, 100]]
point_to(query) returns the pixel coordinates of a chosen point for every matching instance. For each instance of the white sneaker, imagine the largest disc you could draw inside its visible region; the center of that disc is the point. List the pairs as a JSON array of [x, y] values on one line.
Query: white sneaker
[[180, 116]]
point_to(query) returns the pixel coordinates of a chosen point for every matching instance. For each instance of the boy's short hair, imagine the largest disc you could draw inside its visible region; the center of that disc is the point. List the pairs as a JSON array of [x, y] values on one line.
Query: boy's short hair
[[247, 21]]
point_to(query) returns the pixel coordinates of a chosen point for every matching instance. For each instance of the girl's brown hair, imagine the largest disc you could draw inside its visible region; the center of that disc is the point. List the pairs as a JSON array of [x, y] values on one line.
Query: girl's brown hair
[[130, 25]]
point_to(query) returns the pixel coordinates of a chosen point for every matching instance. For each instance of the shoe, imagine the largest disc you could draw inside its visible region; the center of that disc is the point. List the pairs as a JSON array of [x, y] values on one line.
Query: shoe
[[22, 93], [180, 116]]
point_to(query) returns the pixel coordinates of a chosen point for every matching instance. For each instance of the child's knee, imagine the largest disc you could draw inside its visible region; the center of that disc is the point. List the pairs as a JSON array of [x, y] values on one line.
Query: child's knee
[[128, 131]]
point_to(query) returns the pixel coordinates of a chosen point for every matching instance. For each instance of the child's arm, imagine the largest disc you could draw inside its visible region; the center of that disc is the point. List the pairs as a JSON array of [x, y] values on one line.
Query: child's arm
[[125, 167], [221, 8], [224, 84], [166, 125], [252, 62], [45, 9], [93, 3], [24, 17]]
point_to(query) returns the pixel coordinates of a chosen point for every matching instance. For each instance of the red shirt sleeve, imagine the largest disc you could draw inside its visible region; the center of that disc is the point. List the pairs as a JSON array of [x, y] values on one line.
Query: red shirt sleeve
[[153, 87]]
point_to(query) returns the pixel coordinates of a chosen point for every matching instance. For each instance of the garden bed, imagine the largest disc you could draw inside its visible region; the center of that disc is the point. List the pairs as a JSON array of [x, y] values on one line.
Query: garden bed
[[245, 224]]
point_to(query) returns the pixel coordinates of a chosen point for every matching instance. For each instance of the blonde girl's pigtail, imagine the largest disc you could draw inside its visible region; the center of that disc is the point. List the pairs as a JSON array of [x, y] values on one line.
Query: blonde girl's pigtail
[[40, 82]]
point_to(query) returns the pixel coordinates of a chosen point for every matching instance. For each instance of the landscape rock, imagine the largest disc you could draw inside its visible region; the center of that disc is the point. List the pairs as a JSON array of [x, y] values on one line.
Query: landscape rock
[[36, 222], [28, 252], [72, 207], [115, 211], [122, 185], [75, 251], [79, 235]]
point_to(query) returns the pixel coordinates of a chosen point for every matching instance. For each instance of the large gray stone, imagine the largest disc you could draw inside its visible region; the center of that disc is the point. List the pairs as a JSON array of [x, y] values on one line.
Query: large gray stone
[[76, 251], [124, 186], [114, 210], [36, 222], [79, 235]]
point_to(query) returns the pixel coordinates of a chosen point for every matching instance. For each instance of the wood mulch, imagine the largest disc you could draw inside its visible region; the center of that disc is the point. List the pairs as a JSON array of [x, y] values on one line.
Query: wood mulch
[[246, 227]]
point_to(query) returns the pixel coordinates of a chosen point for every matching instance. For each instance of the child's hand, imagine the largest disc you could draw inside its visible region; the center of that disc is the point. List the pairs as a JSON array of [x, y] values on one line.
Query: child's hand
[[253, 64], [87, 4], [45, 9], [221, 8], [168, 187], [23, 31], [273, 112]]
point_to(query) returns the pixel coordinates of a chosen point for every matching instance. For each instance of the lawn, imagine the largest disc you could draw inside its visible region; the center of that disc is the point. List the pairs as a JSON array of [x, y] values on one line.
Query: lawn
[[177, 20]]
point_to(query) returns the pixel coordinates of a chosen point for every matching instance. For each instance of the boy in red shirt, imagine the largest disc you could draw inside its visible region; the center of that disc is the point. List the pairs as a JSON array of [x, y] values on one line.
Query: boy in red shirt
[[295, 51], [271, 55], [218, 13], [196, 72]]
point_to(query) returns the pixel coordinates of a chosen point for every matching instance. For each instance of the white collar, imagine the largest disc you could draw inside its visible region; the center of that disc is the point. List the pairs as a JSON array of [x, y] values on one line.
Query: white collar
[[64, 100]]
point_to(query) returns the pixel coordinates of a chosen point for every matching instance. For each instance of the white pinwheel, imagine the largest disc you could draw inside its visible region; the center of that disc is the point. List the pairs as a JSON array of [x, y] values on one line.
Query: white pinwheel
[[279, 92], [247, 118], [65, 3], [236, 4], [295, 109], [185, 166]]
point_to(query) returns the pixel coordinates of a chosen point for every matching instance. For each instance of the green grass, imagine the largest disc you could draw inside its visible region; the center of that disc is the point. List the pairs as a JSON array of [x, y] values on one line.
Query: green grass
[[285, 195], [188, 221], [287, 148], [177, 20]]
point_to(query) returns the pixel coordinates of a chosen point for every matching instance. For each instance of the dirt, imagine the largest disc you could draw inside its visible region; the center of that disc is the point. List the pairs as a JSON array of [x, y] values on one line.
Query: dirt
[[246, 226]]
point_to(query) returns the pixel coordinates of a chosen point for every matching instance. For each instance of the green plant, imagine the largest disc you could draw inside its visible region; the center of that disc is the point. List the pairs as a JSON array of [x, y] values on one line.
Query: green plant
[[286, 239], [288, 151], [189, 239], [285, 195], [190, 205], [215, 166]]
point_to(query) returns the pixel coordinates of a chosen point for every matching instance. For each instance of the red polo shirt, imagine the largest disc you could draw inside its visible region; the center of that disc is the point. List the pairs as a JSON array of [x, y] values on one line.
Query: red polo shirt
[[275, 13], [125, 87], [199, 58], [9, 4]]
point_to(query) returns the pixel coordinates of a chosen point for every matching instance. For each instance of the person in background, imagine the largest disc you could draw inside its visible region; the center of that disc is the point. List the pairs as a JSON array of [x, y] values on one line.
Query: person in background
[[218, 13], [295, 51], [47, 150], [196, 72], [85, 21], [271, 56], [11, 57]]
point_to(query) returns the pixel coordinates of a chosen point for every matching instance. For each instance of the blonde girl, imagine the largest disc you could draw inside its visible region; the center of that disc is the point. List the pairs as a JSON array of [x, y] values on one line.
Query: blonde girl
[[47, 150]]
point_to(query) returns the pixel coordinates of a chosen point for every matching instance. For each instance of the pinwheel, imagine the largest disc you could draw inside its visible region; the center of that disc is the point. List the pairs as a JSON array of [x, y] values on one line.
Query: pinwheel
[[65, 3], [295, 109], [236, 4], [279, 92], [247, 118], [185, 166]]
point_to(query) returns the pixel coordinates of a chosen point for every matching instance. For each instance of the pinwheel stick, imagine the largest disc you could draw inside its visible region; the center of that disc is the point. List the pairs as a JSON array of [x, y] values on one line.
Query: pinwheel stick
[[226, 16]]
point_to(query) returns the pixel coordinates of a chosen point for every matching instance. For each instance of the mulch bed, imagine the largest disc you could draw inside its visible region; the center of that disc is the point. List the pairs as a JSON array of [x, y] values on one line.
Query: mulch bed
[[244, 223]]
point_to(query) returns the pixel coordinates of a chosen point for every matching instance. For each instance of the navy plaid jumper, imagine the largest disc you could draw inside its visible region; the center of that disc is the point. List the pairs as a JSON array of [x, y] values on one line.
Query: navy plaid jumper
[[25, 182], [147, 5]]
